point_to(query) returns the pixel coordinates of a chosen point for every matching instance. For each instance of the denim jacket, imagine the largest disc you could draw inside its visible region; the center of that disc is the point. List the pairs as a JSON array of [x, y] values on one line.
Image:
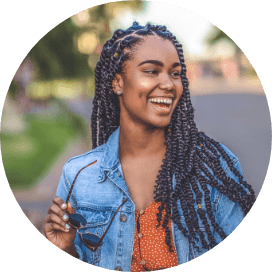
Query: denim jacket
[[100, 189]]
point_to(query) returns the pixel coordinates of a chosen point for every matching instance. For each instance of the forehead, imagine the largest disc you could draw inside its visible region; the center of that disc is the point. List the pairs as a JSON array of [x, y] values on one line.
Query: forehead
[[155, 48]]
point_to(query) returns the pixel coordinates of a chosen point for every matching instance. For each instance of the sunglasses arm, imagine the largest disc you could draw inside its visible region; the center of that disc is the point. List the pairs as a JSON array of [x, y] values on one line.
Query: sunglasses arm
[[101, 239], [73, 184]]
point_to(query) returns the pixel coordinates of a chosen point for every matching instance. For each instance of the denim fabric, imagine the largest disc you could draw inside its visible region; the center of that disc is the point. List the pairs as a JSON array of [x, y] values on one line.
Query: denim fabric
[[101, 188]]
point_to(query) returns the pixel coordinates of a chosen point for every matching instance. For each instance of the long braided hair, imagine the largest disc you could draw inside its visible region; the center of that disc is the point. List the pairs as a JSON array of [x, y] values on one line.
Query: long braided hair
[[189, 154]]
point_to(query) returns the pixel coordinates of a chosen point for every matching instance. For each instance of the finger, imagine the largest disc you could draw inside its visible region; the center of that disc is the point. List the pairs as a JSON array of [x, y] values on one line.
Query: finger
[[55, 219], [60, 202], [70, 209], [51, 227], [54, 208]]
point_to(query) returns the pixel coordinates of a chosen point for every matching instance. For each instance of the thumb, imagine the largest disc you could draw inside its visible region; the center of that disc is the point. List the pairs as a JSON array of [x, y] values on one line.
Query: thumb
[[70, 209]]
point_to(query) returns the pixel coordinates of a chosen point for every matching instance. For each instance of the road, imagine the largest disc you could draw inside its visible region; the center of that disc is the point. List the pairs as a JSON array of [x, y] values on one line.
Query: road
[[242, 123]]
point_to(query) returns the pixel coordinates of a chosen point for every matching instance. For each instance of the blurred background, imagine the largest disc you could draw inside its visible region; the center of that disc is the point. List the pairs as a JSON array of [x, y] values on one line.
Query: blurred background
[[47, 111]]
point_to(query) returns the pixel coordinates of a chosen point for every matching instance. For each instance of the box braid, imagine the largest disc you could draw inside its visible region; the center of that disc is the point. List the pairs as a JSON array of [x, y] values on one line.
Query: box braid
[[190, 155]]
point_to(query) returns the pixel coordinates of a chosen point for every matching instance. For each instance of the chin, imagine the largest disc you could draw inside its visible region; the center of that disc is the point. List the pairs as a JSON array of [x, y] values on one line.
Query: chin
[[160, 123]]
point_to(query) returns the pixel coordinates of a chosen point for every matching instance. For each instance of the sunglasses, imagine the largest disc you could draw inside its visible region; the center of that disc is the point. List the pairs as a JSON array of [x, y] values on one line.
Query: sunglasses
[[78, 221]]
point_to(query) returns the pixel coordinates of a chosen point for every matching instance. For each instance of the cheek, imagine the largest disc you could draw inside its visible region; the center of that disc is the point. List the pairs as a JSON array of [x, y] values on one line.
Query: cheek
[[144, 89], [139, 90], [133, 98], [180, 91], [144, 84], [179, 94], [135, 103]]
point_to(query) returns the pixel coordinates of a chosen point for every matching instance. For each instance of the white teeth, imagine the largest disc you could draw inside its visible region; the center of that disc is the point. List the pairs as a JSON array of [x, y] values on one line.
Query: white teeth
[[161, 100]]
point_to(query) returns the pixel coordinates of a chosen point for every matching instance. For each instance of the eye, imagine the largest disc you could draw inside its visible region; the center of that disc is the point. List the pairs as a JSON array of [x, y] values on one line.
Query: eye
[[151, 72], [176, 74]]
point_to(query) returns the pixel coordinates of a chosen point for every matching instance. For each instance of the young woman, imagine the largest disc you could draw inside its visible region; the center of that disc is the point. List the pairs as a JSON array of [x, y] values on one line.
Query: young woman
[[154, 192]]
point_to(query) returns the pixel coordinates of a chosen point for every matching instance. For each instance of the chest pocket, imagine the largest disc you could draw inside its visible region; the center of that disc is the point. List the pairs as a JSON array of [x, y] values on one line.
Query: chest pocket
[[97, 222]]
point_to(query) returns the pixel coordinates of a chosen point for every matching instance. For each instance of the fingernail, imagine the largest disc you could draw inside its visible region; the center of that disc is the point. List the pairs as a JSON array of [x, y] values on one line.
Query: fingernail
[[67, 226], [63, 206], [65, 217]]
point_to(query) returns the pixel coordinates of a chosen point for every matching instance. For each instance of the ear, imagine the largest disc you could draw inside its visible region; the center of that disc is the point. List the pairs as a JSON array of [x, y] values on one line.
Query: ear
[[117, 83]]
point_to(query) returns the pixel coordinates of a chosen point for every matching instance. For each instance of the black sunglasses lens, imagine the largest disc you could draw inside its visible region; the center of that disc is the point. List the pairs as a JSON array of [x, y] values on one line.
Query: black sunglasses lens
[[91, 239], [77, 220]]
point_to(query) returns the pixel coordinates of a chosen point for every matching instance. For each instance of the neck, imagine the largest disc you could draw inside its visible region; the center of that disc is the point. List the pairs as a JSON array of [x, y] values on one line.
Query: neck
[[138, 140]]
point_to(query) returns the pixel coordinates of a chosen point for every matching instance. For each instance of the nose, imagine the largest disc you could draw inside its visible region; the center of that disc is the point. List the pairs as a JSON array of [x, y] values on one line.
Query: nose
[[166, 83]]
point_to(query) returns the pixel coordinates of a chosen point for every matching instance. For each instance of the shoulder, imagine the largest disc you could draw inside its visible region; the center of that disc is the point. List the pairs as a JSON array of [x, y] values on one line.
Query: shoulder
[[229, 152], [86, 157], [85, 170], [78, 163], [231, 158]]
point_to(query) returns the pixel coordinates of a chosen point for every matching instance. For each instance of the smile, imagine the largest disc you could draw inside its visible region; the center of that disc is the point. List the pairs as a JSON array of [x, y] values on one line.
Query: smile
[[167, 101], [162, 104]]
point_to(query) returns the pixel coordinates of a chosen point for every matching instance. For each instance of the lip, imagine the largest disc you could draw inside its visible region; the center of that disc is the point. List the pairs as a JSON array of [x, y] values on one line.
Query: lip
[[167, 97]]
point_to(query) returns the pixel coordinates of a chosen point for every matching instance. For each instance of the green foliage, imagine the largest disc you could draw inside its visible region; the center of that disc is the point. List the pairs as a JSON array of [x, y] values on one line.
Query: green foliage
[[56, 55], [217, 36], [13, 89], [79, 122], [26, 156]]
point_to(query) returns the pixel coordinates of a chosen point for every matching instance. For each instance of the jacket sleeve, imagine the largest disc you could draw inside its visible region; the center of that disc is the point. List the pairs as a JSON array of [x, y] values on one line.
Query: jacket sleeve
[[62, 192], [228, 214]]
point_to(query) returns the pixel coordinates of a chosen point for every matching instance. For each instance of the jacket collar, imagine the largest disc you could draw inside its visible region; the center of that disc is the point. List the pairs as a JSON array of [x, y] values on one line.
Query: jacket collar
[[110, 159]]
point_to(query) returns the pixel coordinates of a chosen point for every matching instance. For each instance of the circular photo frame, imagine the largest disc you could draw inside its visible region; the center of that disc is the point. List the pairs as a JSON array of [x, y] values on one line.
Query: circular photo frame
[[46, 121]]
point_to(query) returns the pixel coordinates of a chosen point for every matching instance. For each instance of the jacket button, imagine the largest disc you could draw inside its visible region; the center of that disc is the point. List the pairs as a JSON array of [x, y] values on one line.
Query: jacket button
[[118, 268], [123, 218]]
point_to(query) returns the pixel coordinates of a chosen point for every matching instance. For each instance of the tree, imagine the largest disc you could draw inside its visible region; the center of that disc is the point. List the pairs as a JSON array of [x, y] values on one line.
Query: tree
[[57, 56]]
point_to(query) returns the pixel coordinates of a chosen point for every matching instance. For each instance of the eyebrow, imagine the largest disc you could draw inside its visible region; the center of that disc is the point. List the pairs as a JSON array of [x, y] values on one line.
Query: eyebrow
[[159, 63]]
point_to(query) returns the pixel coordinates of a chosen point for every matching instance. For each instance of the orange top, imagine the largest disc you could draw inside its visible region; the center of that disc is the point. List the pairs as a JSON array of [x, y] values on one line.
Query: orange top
[[153, 253]]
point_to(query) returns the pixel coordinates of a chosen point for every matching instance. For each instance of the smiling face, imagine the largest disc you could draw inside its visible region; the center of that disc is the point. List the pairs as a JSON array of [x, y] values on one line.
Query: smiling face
[[151, 84]]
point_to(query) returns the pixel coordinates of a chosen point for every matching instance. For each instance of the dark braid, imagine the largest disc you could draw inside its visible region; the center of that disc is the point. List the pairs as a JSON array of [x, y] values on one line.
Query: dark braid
[[191, 156]]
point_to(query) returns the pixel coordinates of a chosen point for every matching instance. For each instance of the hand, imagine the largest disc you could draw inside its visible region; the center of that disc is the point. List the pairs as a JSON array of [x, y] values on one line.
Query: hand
[[56, 227]]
